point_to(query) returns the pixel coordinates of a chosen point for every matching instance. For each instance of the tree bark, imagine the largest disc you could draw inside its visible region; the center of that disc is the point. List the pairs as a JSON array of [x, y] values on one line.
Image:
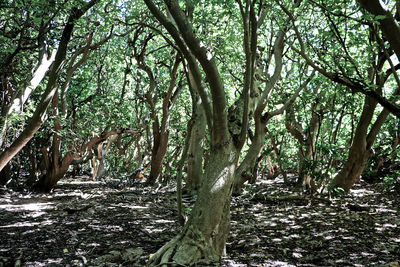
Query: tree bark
[[33, 170], [160, 128], [54, 172], [160, 146], [244, 172], [360, 150], [204, 235], [100, 155], [197, 139], [5, 174]]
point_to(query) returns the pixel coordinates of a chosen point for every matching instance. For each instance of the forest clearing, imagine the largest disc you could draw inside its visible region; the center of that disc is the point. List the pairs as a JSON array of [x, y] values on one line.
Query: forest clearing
[[199, 133]]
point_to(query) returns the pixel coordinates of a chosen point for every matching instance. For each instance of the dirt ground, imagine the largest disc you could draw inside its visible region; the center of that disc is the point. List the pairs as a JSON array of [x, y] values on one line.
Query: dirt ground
[[85, 223]]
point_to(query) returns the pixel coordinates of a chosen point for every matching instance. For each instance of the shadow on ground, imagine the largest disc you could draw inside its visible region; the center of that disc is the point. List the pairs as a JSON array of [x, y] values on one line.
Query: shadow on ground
[[84, 223]]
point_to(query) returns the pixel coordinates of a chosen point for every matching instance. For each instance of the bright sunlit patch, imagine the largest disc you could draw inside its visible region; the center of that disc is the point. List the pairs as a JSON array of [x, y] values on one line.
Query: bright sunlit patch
[[209, 55], [151, 230], [164, 221], [284, 220], [384, 210], [329, 237], [79, 182], [27, 224], [232, 263], [93, 245], [383, 5], [304, 215], [389, 225], [28, 206], [28, 232], [366, 254], [134, 207], [37, 78], [278, 263], [114, 228], [220, 181], [297, 255], [35, 214], [361, 192]]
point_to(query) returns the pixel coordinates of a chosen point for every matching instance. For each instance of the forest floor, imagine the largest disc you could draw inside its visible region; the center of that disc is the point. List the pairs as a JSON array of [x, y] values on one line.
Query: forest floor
[[86, 223]]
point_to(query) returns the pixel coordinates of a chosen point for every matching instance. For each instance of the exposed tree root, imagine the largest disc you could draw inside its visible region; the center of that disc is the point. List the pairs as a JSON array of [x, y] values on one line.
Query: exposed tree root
[[186, 249]]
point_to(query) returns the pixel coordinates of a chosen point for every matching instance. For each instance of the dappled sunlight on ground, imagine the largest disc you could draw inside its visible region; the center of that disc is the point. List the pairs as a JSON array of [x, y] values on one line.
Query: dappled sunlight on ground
[[315, 233], [81, 222]]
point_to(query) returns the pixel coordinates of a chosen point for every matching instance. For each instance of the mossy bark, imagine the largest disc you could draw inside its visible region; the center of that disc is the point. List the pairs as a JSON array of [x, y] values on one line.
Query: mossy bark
[[195, 152]]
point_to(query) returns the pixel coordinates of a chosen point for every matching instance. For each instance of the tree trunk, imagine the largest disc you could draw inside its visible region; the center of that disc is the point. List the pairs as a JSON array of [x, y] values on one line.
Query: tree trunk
[[360, 150], [48, 181], [307, 141], [33, 170], [160, 129], [54, 172], [352, 169], [388, 25], [195, 153], [5, 174], [246, 169], [159, 150], [204, 235], [100, 155], [56, 169]]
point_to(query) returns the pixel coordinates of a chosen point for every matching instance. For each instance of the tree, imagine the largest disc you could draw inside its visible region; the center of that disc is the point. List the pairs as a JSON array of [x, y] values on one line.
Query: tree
[[39, 115], [346, 69], [205, 233], [208, 224], [160, 126]]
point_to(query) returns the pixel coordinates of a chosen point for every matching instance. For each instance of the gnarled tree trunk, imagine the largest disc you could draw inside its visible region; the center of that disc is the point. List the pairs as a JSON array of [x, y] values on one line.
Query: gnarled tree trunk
[[205, 233], [100, 156], [160, 127], [57, 168], [360, 150], [160, 146]]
